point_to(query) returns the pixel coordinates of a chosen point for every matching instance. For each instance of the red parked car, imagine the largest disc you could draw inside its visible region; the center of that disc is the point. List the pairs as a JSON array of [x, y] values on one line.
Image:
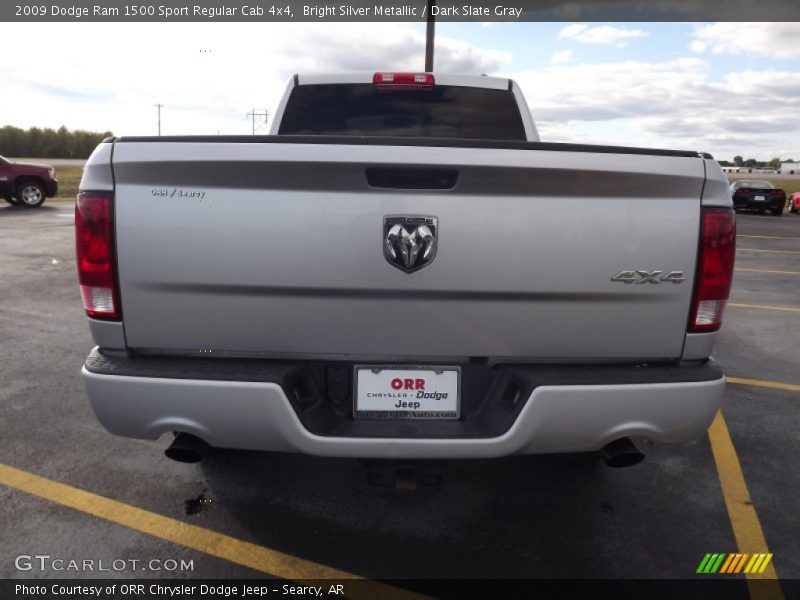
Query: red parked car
[[26, 184], [794, 202]]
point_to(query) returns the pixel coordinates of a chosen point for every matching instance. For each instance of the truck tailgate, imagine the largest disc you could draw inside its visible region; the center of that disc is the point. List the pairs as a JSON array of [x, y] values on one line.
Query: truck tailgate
[[277, 249]]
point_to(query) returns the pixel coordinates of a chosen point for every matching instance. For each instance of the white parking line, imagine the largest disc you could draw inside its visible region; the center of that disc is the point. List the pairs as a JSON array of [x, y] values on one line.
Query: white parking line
[[767, 271], [770, 251], [768, 237]]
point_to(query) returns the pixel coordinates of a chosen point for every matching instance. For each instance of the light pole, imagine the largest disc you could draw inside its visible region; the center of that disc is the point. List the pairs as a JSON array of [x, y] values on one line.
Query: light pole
[[429, 33], [159, 107], [256, 113]]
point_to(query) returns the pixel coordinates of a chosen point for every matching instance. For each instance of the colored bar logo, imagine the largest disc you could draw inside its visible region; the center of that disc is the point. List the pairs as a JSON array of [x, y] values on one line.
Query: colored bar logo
[[734, 563]]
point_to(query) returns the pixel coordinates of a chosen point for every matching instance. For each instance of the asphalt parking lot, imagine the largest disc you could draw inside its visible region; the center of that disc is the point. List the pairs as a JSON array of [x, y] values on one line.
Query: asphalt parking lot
[[71, 490]]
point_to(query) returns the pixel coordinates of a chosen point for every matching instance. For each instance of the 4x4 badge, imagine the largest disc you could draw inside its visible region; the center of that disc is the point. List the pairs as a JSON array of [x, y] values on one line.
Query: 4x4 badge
[[649, 277], [409, 241]]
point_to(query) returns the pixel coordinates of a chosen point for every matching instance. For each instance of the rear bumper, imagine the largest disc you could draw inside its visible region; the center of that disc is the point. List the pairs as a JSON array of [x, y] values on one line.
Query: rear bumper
[[51, 188], [747, 204], [258, 415]]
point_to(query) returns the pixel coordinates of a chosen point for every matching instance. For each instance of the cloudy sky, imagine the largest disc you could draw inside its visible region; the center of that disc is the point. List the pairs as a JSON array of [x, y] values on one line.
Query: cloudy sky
[[725, 88]]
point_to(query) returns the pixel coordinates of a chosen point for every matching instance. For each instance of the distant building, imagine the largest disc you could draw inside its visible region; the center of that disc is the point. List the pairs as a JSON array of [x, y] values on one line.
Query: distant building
[[788, 167], [757, 169]]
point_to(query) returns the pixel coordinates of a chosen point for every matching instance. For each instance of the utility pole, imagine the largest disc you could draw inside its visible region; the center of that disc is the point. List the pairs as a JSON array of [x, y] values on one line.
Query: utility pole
[[255, 113], [429, 32], [159, 106]]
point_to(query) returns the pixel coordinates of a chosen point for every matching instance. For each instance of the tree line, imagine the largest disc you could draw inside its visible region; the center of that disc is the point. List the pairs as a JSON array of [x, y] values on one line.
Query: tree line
[[752, 163], [48, 143]]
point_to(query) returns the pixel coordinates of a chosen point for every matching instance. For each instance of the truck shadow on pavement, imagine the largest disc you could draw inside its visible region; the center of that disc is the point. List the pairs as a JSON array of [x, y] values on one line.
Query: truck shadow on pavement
[[8, 211], [534, 516]]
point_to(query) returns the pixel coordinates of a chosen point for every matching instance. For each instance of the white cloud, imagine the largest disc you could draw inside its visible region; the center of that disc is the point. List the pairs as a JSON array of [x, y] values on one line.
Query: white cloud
[[674, 104], [243, 66], [776, 40], [561, 57], [600, 34], [571, 131], [595, 92], [669, 103], [455, 56], [697, 46]]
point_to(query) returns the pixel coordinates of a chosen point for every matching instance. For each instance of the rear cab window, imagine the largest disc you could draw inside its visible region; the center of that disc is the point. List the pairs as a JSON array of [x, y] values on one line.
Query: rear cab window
[[757, 184], [439, 111]]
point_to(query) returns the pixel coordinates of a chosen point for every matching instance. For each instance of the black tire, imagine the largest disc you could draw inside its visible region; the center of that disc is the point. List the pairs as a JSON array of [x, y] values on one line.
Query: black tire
[[30, 194], [778, 212], [12, 201]]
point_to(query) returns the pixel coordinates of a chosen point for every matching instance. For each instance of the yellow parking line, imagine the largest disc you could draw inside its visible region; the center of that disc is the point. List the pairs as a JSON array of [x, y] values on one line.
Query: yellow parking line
[[260, 558], [744, 519], [770, 251], [768, 237], [765, 307], [775, 385], [768, 271]]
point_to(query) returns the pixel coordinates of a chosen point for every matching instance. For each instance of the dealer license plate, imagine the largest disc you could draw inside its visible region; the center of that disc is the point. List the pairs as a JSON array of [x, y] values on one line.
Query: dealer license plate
[[407, 392]]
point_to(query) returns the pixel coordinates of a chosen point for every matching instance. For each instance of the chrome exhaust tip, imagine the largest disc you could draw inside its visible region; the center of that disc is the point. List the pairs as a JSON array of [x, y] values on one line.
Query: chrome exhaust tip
[[621, 453], [186, 448]]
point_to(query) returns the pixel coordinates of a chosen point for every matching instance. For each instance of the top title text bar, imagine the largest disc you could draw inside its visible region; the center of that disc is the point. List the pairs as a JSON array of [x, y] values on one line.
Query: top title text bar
[[398, 10]]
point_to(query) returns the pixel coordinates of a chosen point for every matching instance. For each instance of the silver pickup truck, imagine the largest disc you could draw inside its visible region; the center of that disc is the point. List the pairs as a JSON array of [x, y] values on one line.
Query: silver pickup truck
[[403, 270]]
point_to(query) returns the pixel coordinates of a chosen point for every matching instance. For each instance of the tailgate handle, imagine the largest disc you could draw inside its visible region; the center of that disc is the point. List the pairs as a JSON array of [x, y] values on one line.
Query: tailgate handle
[[412, 178]]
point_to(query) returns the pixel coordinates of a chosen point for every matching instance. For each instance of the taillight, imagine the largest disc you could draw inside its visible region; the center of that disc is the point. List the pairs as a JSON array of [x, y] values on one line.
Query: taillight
[[714, 269], [406, 80], [94, 244]]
